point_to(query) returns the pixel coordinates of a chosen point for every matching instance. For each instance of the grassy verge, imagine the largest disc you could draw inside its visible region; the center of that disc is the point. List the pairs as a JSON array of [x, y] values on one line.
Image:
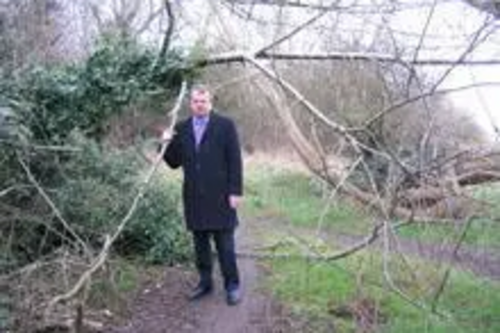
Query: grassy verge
[[301, 200], [483, 232], [353, 294]]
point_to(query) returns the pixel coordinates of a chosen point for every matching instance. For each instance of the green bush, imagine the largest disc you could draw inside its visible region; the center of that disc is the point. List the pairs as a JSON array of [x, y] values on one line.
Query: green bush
[[93, 186], [99, 190], [157, 231], [55, 100]]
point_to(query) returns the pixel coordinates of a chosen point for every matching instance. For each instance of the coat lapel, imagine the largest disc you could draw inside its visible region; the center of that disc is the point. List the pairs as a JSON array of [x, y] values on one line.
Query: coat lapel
[[190, 135]]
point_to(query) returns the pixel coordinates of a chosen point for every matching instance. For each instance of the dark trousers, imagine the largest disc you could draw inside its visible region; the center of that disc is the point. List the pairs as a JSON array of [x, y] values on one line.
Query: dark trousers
[[224, 244]]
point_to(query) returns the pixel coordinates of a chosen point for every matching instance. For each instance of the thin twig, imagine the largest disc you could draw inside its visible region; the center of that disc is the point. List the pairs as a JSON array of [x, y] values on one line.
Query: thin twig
[[336, 256], [54, 148], [334, 192], [166, 38], [421, 42], [476, 41], [52, 206], [413, 99], [12, 188], [454, 255], [295, 31], [388, 276]]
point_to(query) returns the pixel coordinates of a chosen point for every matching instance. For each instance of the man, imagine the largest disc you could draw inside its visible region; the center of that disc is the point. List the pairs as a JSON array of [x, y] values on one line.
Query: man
[[206, 146]]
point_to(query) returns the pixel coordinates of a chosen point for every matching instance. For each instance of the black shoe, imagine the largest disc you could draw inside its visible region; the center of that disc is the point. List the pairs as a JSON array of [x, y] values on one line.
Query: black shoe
[[233, 297], [199, 292]]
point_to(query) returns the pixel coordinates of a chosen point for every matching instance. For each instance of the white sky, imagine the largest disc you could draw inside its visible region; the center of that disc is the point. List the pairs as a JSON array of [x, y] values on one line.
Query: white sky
[[449, 32], [457, 22]]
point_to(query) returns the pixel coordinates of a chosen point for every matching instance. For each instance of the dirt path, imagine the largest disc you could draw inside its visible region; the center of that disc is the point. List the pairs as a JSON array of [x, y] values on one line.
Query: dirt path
[[162, 306], [482, 261]]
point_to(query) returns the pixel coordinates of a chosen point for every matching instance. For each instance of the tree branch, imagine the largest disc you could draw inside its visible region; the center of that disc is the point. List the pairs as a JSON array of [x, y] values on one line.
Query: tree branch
[[413, 99], [317, 257], [167, 37], [231, 57], [296, 30], [51, 204], [454, 255]]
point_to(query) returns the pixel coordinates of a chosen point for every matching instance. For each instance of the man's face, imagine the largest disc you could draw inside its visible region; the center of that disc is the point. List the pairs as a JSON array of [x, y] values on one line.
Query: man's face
[[200, 103]]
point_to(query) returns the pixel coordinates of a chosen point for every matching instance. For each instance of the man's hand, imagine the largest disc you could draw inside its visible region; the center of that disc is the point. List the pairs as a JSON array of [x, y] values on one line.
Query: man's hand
[[167, 135], [234, 201]]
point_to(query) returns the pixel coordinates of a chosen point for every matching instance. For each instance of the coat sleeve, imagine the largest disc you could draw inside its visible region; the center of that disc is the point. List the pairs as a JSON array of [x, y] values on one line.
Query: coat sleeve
[[234, 160], [173, 154]]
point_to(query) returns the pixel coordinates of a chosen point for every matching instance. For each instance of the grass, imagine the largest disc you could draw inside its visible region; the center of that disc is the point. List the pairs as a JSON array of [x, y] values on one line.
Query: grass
[[329, 293], [490, 195], [297, 198], [126, 276], [483, 232], [301, 200], [323, 291]]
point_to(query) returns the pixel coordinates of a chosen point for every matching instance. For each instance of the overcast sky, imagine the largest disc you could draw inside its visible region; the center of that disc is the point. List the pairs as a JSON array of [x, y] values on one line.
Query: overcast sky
[[450, 28]]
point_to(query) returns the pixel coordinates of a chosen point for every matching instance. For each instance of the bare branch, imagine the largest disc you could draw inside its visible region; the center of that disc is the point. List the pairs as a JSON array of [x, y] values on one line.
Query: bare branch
[[12, 188], [421, 41], [477, 39], [454, 255], [51, 204], [302, 100], [353, 8], [317, 257], [334, 192], [344, 56], [413, 99], [147, 22], [54, 148], [295, 31], [167, 37], [388, 277]]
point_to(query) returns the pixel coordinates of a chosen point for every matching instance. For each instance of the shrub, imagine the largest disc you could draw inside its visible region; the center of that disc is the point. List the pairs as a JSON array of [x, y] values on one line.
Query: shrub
[[93, 186], [157, 230], [58, 99], [93, 189], [99, 190]]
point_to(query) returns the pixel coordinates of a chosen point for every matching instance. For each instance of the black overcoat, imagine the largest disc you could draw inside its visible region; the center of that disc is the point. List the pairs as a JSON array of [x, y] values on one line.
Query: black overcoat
[[212, 171]]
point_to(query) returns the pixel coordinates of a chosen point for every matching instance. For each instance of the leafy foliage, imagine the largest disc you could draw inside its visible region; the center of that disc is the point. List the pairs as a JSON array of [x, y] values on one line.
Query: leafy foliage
[[98, 191], [157, 230], [93, 191], [91, 184], [55, 100]]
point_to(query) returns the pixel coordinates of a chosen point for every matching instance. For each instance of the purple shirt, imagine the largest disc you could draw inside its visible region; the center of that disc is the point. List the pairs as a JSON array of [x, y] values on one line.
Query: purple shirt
[[199, 126]]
